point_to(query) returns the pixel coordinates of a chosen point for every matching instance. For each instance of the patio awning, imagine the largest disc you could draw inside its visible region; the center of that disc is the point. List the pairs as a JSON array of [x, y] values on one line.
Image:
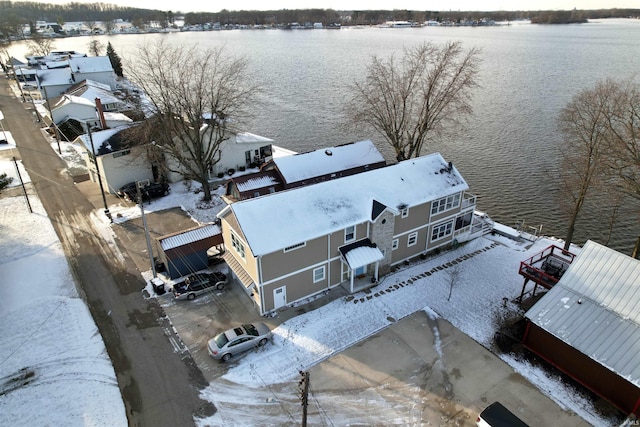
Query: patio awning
[[361, 253]]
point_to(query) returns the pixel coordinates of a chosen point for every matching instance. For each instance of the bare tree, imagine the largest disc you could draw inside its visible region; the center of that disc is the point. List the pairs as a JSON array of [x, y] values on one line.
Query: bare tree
[[195, 96], [454, 277], [411, 100], [40, 45], [583, 123], [95, 47], [623, 123]]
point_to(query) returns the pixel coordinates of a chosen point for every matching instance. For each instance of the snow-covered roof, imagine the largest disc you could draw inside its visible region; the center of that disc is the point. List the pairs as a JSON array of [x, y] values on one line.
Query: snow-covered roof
[[117, 117], [90, 64], [293, 216], [327, 160], [55, 77], [189, 236], [594, 309], [247, 138], [99, 138], [91, 90], [70, 99], [363, 255], [257, 182]]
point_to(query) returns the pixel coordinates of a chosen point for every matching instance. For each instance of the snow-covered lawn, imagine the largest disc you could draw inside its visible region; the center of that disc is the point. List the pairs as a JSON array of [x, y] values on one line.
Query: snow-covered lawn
[[54, 368]]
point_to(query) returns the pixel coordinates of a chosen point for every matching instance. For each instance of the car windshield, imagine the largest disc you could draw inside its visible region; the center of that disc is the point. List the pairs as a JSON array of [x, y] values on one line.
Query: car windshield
[[251, 330], [221, 340]]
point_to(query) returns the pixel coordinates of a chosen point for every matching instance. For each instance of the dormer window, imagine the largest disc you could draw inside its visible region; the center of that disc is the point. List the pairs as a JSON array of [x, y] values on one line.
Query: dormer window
[[404, 212]]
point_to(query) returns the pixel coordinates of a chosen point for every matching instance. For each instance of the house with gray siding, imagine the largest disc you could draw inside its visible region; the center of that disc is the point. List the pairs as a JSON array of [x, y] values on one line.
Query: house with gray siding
[[290, 245]]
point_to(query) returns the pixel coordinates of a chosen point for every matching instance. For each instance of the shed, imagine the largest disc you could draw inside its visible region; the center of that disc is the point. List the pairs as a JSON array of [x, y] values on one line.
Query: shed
[[185, 252], [588, 325]]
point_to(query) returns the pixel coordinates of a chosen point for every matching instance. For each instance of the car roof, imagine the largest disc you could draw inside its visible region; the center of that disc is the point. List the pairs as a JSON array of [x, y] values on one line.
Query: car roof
[[497, 415]]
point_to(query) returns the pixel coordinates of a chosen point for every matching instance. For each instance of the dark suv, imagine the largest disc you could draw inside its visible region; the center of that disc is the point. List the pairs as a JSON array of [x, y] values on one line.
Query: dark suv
[[148, 192], [199, 283]]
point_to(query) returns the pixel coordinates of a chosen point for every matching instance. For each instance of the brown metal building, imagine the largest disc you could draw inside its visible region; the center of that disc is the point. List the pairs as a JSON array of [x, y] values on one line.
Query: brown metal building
[[588, 325]]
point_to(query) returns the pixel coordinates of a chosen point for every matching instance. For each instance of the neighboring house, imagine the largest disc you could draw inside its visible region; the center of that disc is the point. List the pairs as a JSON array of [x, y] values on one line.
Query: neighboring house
[[95, 68], [55, 77], [293, 244], [119, 160], [240, 151], [312, 167], [588, 325], [185, 252], [79, 104], [327, 163]]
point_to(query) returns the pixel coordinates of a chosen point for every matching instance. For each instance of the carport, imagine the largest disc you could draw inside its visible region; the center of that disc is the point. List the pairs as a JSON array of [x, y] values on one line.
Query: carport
[[185, 252]]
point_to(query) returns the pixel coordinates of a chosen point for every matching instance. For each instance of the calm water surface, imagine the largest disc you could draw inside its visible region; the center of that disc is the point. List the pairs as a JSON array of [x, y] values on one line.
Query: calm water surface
[[509, 151]]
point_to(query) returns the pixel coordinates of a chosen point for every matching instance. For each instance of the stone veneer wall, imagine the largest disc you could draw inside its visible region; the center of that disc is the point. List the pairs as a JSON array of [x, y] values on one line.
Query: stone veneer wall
[[382, 235]]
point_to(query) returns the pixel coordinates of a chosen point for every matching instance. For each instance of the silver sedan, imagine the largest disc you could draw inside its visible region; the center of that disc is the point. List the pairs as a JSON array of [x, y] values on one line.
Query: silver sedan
[[237, 340]]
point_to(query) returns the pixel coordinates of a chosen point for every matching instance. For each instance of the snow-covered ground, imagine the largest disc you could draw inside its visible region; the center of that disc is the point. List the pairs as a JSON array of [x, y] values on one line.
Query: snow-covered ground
[[54, 369]]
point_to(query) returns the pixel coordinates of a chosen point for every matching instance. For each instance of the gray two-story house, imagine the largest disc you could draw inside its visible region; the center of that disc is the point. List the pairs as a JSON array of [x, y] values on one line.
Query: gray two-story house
[[288, 246]]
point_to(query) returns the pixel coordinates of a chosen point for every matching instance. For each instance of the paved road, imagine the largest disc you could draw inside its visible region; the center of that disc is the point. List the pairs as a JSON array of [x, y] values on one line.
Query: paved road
[[159, 386]]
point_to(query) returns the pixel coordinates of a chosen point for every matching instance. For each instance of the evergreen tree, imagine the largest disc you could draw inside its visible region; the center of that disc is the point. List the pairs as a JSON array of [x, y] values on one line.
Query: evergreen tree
[[5, 181], [116, 63]]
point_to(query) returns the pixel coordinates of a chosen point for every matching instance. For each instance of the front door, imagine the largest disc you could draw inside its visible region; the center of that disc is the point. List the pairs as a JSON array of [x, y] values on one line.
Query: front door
[[279, 297], [360, 271]]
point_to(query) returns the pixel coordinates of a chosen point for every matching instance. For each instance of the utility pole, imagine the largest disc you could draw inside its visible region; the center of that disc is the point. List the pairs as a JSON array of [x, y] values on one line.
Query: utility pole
[[24, 190], [303, 385], [95, 162], [146, 229]]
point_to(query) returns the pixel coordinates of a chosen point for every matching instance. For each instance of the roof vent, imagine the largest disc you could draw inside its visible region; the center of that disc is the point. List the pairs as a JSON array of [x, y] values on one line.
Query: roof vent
[[328, 152]]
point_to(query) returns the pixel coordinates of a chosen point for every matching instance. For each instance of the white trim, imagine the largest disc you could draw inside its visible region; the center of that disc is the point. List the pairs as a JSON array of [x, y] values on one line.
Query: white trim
[[354, 233], [444, 224], [395, 244], [324, 274], [293, 273]]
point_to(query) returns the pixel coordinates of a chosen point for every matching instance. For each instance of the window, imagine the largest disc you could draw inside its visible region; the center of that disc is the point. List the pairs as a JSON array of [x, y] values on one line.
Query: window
[[121, 153], [463, 221], [394, 244], [413, 239], [237, 245], [296, 246], [349, 234], [445, 204], [318, 274], [441, 231], [404, 212]]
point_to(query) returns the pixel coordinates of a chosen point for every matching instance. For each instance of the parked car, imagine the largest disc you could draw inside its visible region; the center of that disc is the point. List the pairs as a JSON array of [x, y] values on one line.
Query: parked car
[[150, 191], [200, 283], [237, 340], [496, 415]]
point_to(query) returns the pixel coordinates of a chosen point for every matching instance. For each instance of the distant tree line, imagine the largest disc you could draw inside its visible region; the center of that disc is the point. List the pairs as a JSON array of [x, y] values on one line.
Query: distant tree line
[[15, 15]]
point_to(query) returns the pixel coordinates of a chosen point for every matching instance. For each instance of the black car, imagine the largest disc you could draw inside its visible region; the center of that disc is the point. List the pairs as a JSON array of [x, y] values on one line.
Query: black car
[[150, 191], [200, 283]]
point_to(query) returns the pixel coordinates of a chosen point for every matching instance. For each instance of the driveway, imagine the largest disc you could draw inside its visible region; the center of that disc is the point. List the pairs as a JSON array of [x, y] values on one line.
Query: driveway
[[419, 371]]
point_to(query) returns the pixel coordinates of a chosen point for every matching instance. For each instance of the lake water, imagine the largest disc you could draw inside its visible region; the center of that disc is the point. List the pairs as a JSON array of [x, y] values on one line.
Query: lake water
[[509, 151]]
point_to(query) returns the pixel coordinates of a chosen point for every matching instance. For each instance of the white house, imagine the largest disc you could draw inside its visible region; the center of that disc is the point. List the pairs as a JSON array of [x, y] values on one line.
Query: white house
[[119, 160], [79, 103], [240, 151]]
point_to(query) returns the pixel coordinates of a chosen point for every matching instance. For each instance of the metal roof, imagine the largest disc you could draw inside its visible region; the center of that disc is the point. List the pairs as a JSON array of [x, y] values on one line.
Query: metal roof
[[594, 309], [189, 236]]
